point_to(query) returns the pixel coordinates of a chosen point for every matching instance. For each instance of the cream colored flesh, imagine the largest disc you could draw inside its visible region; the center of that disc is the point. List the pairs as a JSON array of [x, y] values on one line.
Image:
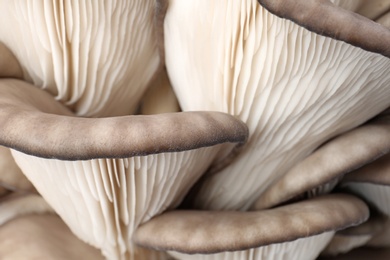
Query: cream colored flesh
[[95, 57], [103, 201], [294, 89]]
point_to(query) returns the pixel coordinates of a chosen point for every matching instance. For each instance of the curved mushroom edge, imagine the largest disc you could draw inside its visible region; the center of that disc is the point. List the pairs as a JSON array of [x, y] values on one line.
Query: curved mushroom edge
[[376, 172], [32, 122], [9, 65], [208, 232], [327, 19], [358, 149]]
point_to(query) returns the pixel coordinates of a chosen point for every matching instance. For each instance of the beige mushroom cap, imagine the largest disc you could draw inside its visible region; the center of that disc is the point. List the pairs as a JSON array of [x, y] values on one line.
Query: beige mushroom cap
[[295, 89], [357, 236], [104, 200], [42, 237], [208, 232], [96, 58]]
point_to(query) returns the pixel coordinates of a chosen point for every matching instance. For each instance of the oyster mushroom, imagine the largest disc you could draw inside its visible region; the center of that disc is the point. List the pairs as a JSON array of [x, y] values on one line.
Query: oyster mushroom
[[325, 167], [104, 200], [354, 237], [96, 60], [42, 237], [295, 89]]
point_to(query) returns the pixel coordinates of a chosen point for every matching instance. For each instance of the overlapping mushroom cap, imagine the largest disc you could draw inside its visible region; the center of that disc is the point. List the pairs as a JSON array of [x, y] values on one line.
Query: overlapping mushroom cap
[[96, 59], [294, 88]]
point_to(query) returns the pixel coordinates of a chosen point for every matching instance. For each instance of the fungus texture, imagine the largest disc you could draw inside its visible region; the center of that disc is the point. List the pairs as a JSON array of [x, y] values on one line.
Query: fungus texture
[[273, 105]]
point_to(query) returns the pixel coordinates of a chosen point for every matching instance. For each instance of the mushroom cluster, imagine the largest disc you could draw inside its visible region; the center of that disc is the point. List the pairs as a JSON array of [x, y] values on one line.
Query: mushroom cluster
[[194, 129]]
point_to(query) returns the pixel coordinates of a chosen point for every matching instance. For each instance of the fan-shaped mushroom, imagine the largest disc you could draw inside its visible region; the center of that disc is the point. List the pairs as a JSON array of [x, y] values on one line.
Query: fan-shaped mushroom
[[294, 88], [97, 59]]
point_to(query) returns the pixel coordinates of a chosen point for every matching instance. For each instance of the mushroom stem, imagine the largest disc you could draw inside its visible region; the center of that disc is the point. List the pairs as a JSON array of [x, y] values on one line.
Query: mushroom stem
[[32, 122], [325, 18]]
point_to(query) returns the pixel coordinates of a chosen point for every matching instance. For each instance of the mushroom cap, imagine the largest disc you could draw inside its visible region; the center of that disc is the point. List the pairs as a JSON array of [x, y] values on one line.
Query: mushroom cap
[[372, 183], [104, 200], [334, 22], [341, 155], [42, 237], [95, 58], [11, 177], [376, 172], [208, 232], [34, 123], [294, 89], [354, 237], [304, 249], [373, 9], [9, 65]]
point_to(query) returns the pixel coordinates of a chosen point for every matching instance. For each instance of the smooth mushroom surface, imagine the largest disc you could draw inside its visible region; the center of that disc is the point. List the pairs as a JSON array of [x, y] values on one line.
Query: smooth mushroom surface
[[211, 232], [373, 9], [295, 89], [42, 237], [215, 231], [357, 236]]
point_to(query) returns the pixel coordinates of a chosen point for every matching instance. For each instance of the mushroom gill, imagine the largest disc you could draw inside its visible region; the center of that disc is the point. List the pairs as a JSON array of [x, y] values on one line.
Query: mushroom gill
[[104, 200], [295, 89], [42, 237], [330, 162], [96, 57], [96, 60]]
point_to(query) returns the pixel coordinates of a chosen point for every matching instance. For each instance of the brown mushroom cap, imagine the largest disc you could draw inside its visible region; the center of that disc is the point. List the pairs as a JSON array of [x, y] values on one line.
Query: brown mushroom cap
[[95, 58], [353, 237], [372, 9], [335, 158], [294, 89], [327, 19], [27, 126], [377, 172], [217, 231], [307, 248], [15, 205]]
